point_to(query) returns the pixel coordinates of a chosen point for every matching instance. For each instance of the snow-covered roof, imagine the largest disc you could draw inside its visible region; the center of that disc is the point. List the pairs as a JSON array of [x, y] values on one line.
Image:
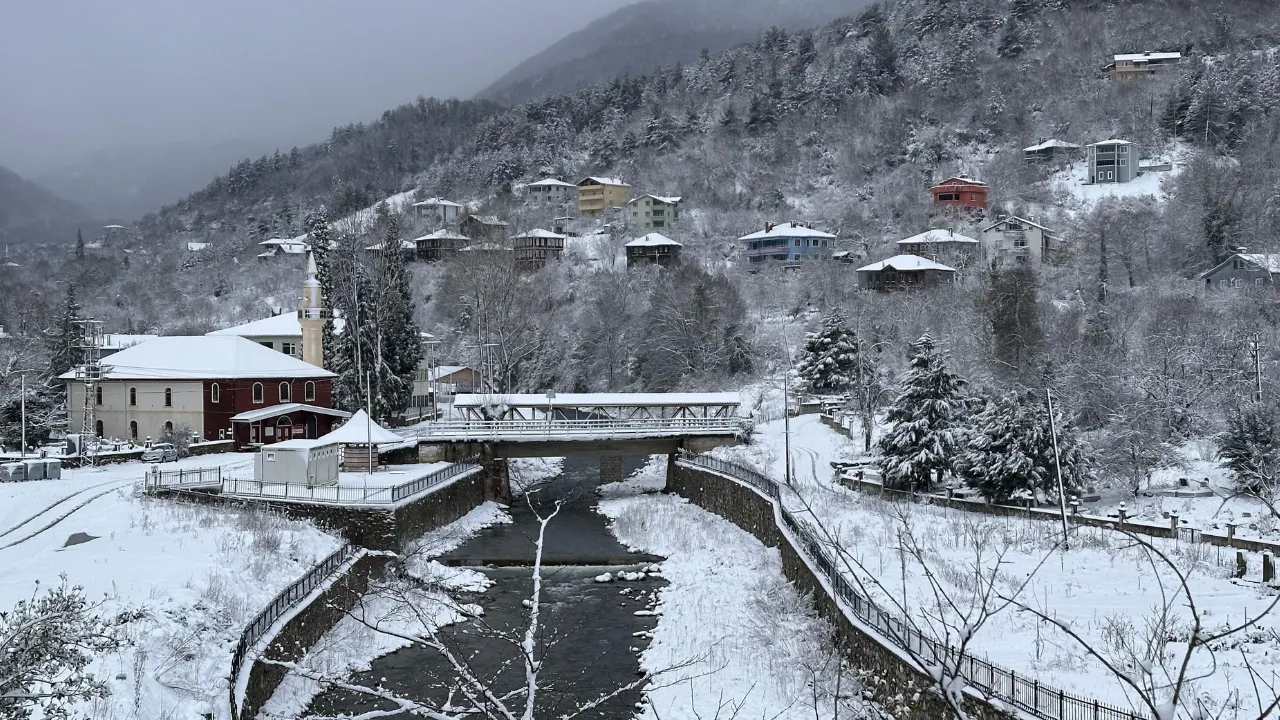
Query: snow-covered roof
[[906, 262], [360, 430], [404, 245], [1051, 144], [653, 240], [120, 341], [578, 400], [960, 179], [1265, 261], [445, 371], [436, 202], [194, 246], [537, 233], [1110, 142], [289, 246], [485, 246], [203, 357], [113, 227], [1138, 57], [553, 182], [665, 199], [789, 230], [284, 324], [487, 220], [1015, 218], [937, 237], [284, 409], [603, 181], [442, 234]]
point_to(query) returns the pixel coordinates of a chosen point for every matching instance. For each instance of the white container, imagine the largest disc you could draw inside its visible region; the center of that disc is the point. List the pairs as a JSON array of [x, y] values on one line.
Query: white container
[[52, 469], [13, 472], [35, 469]]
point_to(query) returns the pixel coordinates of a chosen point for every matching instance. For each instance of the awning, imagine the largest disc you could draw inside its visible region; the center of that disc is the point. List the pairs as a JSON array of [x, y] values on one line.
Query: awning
[[267, 413]]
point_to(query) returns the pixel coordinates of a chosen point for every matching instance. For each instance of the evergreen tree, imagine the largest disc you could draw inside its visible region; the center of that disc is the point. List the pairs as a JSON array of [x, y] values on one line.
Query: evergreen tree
[[63, 338], [79, 245], [1250, 448], [830, 358], [926, 418], [399, 343]]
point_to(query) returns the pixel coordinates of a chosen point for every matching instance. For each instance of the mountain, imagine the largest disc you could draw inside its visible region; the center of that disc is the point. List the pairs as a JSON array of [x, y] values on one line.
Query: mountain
[[637, 38], [31, 214]]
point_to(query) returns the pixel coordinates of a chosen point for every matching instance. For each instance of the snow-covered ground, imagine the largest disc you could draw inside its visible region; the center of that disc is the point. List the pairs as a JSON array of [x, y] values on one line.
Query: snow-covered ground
[[757, 649], [199, 571], [1071, 185], [1104, 586]]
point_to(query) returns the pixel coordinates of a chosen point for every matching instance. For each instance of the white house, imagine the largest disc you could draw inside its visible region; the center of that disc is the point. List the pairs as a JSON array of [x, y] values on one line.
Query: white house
[[938, 243], [1014, 240], [437, 210], [279, 247], [551, 191]]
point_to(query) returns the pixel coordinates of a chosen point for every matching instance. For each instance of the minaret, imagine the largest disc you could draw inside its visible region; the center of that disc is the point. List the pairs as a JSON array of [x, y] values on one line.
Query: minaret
[[311, 317]]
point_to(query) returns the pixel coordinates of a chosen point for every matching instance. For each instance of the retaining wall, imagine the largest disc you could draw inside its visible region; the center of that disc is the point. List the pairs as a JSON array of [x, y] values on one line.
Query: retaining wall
[[890, 677]]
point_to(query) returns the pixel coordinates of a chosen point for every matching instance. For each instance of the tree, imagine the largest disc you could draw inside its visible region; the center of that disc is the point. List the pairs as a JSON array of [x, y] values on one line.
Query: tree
[[79, 245], [926, 419], [1013, 312], [399, 343], [1250, 448], [830, 357], [63, 338]]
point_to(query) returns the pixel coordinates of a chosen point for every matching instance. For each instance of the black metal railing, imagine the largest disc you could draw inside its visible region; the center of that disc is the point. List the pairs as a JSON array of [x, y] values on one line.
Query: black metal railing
[[282, 603], [170, 479], [1025, 693], [350, 494]]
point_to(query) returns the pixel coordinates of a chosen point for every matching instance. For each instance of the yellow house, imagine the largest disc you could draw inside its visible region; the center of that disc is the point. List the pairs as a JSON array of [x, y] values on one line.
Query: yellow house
[[597, 194]]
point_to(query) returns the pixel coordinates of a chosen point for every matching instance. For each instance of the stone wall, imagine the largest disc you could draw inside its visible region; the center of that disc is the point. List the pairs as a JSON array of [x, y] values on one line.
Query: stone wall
[[305, 629], [891, 679], [438, 508]]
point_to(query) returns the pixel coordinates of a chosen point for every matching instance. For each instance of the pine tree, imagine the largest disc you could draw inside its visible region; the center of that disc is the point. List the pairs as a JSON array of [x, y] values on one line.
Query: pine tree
[[830, 358], [1010, 451], [926, 417], [79, 245], [1250, 448], [399, 343], [63, 339]]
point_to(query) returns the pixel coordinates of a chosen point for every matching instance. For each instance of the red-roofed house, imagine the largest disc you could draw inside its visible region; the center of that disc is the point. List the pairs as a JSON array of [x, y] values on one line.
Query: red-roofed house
[[960, 192]]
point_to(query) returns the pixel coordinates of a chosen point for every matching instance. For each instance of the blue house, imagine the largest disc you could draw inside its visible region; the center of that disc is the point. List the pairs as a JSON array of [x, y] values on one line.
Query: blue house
[[790, 243]]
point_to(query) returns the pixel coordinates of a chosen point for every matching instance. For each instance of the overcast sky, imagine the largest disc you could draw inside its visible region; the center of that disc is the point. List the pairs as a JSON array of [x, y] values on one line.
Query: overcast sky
[[82, 75]]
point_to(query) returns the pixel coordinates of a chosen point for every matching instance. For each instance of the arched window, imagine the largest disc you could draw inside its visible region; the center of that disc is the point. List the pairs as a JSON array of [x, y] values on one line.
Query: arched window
[[168, 426], [97, 428], [168, 397], [257, 392], [133, 430], [284, 427], [215, 393], [309, 391], [133, 396], [284, 392]]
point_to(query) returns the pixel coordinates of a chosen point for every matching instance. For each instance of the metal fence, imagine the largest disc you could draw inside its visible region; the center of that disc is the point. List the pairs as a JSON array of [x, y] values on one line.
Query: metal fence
[[1024, 693], [378, 495], [282, 603], [646, 427], [156, 479]]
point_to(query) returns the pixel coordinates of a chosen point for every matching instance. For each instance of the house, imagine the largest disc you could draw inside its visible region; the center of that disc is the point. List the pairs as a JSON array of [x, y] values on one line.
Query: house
[[1243, 270], [597, 194], [195, 246], [282, 247], [653, 249], [205, 382], [1112, 161], [1124, 67], [483, 228], [534, 248], [1050, 151], [653, 212], [1014, 240], [939, 243], [551, 191], [904, 272], [440, 244], [960, 192], [789, 242], [437, 211], [408, 248]]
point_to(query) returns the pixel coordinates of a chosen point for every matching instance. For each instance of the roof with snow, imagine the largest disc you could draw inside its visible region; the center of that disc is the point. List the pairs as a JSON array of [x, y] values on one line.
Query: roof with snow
[[537, 233], [491, 220], [267, 413], [602, 181], [1110, 142], [1015, 218], [938, 237], [275, 326], [787, 229], [653, 240], [664, 199], [906, 263], [404, 245], [113, 227], [194, 246], [551, 182], [203, 357], [442, 234], [961, 180], [1140, 57], [1264, 261], [436, 202], [360, 430], [1052, 144]]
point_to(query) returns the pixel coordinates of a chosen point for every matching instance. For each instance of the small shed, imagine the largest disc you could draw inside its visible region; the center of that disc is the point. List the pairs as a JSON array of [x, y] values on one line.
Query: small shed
[[360, 437], [298, 462]]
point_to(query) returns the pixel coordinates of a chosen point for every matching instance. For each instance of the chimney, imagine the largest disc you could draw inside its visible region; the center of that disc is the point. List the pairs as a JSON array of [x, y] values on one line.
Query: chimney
[[768, 226], [951, 231]]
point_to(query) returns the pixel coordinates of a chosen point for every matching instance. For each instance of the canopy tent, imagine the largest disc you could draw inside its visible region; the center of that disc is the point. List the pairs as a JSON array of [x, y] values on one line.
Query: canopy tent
[[360, 430]]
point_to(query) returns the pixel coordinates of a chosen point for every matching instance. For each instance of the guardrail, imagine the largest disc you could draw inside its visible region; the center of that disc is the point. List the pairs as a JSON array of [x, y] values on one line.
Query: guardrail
[[1026, 694], [518, 429], [156, 479], [282, 603], [385, 495]]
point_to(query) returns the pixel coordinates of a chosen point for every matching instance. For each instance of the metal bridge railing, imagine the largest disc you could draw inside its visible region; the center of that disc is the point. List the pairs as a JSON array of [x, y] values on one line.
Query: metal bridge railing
[[1025, 693], [646, 427], [347, 494]]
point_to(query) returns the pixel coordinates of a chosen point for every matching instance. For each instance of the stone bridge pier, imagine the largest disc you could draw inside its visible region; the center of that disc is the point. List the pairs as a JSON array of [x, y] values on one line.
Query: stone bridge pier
[[610, 468]]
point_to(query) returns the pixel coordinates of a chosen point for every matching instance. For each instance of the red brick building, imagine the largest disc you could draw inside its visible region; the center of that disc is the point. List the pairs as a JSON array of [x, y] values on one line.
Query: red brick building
[[960, 192]]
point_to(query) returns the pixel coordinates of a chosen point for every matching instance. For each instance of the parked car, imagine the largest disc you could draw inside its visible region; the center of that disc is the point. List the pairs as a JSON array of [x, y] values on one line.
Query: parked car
[[160, 452]]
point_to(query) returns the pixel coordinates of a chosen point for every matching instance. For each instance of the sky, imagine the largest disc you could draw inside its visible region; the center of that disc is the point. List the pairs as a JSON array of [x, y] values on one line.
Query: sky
[[78, 76]]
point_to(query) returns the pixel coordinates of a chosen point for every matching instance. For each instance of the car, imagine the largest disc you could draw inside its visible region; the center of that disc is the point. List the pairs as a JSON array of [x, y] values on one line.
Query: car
[[160, 452]]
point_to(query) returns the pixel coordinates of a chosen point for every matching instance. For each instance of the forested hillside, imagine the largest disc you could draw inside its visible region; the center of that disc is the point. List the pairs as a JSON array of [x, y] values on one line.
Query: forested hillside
[[30, 213]]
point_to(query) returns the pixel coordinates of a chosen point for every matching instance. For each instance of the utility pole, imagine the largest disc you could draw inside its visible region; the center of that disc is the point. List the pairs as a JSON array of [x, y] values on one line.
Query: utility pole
[[1062, 494], [1255, 347], [23, 448]]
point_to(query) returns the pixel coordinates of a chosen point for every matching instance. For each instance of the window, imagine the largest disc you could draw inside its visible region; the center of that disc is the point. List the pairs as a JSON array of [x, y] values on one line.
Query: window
[[798, 242], [1235, 282], [215, 393], [98, 397], [1124, 150], [270, 456], [1124, 162], [97, 428], [973, 197], [1258, 282], [289, 348], [947, 197], [133, 396], [284, 392], [266, 343], [257, 392], [168, 426], [168, 397], [133, 430]]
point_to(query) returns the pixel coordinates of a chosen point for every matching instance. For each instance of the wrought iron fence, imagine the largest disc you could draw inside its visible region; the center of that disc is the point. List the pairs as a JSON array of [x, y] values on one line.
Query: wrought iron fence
[[282, 603], [1024, 693], [378, 495], [156, 479]]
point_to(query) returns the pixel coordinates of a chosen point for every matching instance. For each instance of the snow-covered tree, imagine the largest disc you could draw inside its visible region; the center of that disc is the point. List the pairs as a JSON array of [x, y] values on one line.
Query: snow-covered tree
[[64, 337], [399, 343], [926, 419], [1250, 448], [830, 357], [79, 244]]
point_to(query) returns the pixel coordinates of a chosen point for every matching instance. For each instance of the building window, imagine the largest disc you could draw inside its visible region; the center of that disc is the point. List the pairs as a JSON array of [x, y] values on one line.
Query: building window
[[798, 242], [215, 393], [284, 392], [168, 427], [1124, 162], [168, 397], [98, 396], [133, 396], [309, 391], [1257, 281], [289, 348], [97, 428], [257, 392], [266, 344], [133, 429]]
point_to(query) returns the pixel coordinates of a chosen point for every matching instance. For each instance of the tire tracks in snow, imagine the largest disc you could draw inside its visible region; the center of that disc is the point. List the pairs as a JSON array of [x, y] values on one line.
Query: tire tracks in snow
[[64, 516], [56, 503]]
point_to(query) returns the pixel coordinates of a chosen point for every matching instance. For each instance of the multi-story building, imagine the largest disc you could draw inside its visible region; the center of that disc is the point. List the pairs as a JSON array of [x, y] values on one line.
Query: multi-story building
[[536, 247], [1243, 270], [437, 211], [440, 245], [904, 272], [961, 193], [597, 194], [551, 191], [1013, 240], [789, 242], [939, 243], [1124, 67], [653, 212], [653, 249], [1112, 161], [1050, 151]]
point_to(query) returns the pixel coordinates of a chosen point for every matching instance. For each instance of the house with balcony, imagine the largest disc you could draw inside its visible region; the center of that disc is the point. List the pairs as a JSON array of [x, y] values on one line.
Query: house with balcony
[[790, 243], [551, 191], [598, 194], [537, 247], [1243, 270], [437, 211], [1112, 161], [439, 245], [653, 212], [904, 272], [653, 249], [1133, 65], [960, 193], [1012, 240], [940, 243]]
